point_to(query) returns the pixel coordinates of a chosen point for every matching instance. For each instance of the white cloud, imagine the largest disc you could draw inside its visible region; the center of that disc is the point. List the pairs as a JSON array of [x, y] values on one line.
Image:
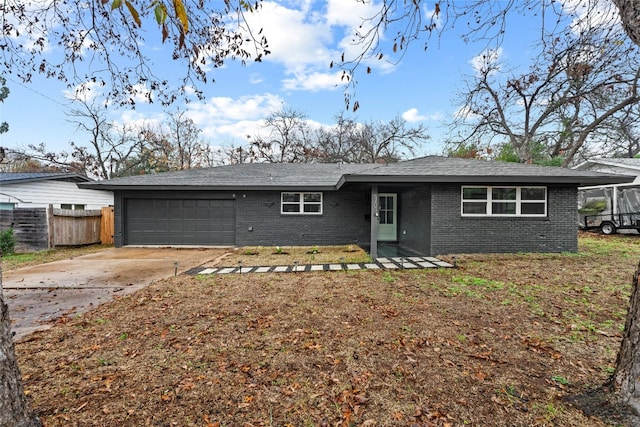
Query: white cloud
[[350, 13], [296, 38], [487, 62], [221, 119], [412, 116], [465, 113], [140, 120], [306, 39], [85, 92], [313, 81], [591, 14], [227, 118]]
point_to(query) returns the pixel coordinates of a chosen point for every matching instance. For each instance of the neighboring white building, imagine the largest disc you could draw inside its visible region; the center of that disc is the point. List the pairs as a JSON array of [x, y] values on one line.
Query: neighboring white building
[[616, 166], [40, 189]]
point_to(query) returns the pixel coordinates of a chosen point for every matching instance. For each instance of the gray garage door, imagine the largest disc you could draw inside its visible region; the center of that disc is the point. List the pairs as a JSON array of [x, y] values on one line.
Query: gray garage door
[[180, 222]]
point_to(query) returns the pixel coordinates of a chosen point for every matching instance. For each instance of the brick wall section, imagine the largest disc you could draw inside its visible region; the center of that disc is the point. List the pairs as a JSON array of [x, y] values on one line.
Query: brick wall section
[[430, 215], [118, 216], [344, 221], [30, 228], [451, 233], [414, 210]]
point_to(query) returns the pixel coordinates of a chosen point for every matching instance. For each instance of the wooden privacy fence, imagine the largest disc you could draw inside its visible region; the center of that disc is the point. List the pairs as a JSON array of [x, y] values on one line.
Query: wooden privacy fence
[[37, 229], [106, 226], [69, 227], [80, 227]]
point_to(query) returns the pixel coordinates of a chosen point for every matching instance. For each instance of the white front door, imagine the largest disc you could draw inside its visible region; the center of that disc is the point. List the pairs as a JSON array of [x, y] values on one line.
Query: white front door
[[387, 216]]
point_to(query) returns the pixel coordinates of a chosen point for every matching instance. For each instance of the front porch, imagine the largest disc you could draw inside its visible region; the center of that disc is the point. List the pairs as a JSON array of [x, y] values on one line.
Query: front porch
[[400, 221], [393, 250]]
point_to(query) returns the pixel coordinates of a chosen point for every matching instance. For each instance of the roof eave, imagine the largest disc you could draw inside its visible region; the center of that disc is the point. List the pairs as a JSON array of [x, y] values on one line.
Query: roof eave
[[75, 178], [501, 179], [208, 187]]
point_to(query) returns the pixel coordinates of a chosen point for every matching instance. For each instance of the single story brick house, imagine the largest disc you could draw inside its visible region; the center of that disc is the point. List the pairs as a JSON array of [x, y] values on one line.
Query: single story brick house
[[431, 205]]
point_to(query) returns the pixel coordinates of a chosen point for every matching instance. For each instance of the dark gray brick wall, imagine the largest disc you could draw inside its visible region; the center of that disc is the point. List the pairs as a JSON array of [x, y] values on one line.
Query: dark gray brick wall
[[414, 208], [118, 212], [344, 221], [451, 233], [30, 228], [430, 215]]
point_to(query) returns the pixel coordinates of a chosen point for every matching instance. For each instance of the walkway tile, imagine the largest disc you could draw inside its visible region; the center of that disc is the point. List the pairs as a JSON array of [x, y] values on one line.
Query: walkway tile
[[408, 265], [389, 263], [427, 264]]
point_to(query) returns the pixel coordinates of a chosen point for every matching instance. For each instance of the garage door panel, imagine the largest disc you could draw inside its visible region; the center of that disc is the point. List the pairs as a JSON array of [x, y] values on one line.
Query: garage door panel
[[180, 222]]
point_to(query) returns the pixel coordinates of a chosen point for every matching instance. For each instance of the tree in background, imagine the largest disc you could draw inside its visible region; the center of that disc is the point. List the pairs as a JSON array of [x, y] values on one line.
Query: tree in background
[[114, 149], [618, 136], [287, 137], [109, 147], [170, 146], [548, 115], [290, 138]]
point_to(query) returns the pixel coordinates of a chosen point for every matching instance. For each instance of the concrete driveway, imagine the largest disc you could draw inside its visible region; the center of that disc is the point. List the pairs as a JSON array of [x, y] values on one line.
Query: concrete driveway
[[38, 296]]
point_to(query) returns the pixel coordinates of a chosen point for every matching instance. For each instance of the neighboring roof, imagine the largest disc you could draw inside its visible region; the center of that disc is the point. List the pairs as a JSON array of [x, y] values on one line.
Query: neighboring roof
[[332, 176], [20, 177], [627, 163]]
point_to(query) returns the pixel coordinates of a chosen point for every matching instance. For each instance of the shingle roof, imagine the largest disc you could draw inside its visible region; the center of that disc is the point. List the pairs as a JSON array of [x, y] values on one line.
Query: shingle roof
[[331, 176], [17, 177], [447, 169]]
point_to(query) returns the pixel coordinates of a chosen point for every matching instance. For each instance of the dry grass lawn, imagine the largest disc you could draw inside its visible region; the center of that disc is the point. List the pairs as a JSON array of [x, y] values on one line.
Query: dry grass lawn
[[503, 340], [287, 255]]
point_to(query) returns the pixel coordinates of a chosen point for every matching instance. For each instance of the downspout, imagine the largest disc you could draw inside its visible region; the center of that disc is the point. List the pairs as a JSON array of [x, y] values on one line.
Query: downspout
[[374, 222]]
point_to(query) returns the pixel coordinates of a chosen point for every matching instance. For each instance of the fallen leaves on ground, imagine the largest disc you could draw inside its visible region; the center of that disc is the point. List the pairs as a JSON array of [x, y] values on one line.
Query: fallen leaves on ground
[[501, 341]]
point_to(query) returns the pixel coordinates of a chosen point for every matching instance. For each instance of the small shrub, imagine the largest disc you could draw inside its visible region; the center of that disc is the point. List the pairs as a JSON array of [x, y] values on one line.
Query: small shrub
[[7, 242]]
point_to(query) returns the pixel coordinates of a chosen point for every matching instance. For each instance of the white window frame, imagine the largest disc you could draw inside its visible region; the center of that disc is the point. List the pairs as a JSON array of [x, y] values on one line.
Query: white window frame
[[301, 203], [73, 206], [488, 202]]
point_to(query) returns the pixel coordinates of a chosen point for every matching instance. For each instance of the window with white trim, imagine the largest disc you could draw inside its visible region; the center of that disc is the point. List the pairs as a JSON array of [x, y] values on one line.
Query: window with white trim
[[301, 203], [72, 207], [504, 201]]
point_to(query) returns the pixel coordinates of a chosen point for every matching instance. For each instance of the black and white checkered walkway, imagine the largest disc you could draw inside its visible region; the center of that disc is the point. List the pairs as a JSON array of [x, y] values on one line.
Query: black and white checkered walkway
[[389, 263]]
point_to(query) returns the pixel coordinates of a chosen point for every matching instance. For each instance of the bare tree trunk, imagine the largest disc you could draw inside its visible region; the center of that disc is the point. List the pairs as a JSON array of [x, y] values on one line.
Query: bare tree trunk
[[626, 379], [14, 409], [630, 17]]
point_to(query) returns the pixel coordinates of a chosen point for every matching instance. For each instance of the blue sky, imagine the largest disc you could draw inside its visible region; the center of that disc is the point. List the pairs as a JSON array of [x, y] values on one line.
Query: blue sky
[[304, 36]]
